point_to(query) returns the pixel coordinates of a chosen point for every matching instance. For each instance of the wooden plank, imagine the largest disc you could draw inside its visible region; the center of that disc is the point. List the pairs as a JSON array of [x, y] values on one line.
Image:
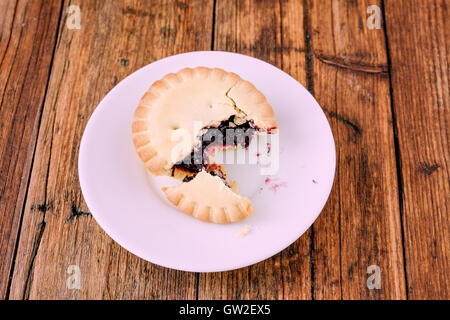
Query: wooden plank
[[116, 38], [419, 44], [27, 39], [361, 224], [273, 32]]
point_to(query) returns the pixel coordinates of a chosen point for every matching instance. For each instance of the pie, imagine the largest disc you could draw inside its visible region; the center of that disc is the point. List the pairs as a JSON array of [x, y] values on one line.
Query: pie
[[183, 119], [207, 198]]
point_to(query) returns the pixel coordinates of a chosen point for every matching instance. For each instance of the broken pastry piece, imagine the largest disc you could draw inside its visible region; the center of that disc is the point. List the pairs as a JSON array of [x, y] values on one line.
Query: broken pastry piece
[[213, 169], [183, 119], [206, 197]]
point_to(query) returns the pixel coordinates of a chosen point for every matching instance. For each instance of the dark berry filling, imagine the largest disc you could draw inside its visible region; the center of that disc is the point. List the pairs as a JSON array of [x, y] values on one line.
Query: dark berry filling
[[229, 132], [188, 178], [240, 134], [221, 175]]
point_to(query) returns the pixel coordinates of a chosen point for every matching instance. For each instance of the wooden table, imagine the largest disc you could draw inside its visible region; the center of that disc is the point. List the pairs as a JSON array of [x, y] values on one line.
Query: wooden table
[[384, 89]]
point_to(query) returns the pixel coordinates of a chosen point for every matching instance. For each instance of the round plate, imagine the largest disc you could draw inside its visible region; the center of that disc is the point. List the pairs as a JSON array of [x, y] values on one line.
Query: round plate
[[128, 205]]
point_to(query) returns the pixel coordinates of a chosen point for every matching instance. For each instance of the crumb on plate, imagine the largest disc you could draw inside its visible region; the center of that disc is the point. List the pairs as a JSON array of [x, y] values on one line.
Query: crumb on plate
[[244, 231]]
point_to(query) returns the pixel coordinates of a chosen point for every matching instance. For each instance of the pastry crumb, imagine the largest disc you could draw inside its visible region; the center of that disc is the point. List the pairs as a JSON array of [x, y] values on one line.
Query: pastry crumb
[[244, 231]]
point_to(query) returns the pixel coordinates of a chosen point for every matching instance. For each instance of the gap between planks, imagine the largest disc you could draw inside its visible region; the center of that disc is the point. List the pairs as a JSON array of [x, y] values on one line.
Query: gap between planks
[[397, 147]]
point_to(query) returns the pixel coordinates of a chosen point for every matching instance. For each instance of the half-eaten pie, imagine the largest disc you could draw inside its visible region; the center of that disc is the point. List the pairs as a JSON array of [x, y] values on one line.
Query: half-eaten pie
[[187, 116]]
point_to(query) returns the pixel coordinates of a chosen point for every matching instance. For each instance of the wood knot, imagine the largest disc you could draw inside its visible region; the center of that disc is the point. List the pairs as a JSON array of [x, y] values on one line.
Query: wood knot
[[76, 212], [427, 168], [41, 207]]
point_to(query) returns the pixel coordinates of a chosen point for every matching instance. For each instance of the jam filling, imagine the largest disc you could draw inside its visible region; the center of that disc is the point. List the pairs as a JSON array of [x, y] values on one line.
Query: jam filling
[[188, 178], [233, 131]]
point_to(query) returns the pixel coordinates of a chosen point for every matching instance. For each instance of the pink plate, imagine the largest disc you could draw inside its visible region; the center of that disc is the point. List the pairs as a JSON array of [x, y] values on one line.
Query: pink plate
[[129, 206]]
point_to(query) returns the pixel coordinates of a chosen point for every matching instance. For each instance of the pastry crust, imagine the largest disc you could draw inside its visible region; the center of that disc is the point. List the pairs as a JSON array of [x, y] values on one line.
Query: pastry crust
[[181, 174], [207, 198], [172, 113], [253, 103]]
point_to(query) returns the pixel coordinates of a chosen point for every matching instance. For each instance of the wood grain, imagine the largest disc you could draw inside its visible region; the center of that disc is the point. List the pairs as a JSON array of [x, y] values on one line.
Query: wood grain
[[419, 44], [273, 32], [115, 39], [360, 226], [27, 39], [385, 92]]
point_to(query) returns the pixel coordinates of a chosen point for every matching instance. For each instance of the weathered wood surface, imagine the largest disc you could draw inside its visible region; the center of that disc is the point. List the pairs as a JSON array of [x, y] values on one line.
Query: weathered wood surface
[[385, 93], [419, 49], [116, 38], [361, 226], [27, 39]]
